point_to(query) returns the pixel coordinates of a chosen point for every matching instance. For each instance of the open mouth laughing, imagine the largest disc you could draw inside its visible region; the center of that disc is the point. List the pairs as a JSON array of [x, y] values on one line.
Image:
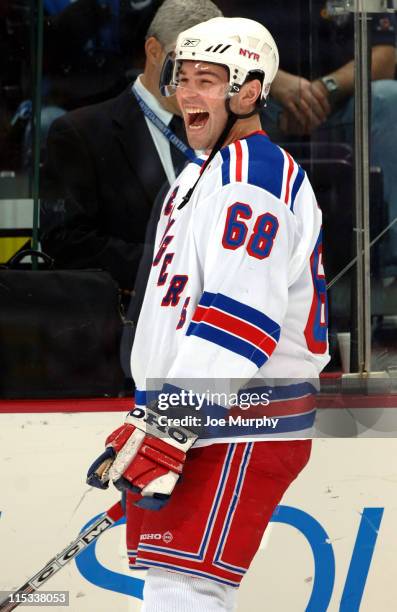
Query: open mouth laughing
[[197, 118]]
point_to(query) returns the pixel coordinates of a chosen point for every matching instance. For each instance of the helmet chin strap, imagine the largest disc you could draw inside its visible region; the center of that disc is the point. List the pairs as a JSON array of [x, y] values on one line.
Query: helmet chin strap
[[232, 117]]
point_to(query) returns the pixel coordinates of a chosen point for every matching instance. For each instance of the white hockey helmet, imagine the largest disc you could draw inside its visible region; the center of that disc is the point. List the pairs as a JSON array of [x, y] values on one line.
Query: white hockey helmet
[[243, 46]]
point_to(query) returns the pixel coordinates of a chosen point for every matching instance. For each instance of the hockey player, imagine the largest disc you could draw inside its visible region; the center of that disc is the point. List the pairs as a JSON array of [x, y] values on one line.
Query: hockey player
[[235, 300]]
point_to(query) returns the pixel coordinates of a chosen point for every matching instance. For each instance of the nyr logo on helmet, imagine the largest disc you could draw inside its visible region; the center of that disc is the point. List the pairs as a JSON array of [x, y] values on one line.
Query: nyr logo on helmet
[[190, 42], [250, 54]]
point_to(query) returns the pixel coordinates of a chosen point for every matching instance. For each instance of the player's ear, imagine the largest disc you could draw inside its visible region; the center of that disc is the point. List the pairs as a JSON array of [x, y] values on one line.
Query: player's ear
[[251, 92], [246, 99], [153, 51]]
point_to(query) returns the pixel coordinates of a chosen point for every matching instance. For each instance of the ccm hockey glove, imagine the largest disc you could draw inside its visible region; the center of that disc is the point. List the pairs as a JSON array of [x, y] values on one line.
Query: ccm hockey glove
[[144, 458]]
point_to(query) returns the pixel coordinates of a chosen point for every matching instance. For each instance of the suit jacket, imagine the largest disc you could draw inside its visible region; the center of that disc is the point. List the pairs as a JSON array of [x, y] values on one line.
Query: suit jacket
[[100, 177]]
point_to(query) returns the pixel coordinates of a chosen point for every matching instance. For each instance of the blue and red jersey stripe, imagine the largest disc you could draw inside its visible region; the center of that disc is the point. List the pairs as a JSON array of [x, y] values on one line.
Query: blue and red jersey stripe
[[235, 326]]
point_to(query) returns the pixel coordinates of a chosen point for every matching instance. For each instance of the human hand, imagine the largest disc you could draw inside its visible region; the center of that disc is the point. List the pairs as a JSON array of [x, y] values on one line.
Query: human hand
[[305, 103], [148, 466]]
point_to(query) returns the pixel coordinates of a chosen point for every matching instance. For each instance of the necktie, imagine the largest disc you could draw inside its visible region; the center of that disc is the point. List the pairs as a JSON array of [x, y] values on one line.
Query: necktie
[[178, 158]]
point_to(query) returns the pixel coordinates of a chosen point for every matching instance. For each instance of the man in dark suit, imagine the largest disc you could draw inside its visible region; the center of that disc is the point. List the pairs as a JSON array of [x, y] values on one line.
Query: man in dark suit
[[105, 163]]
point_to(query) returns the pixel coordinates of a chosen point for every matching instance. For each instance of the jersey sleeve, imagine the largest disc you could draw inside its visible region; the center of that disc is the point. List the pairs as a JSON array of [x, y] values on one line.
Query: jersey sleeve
[[252, 247]]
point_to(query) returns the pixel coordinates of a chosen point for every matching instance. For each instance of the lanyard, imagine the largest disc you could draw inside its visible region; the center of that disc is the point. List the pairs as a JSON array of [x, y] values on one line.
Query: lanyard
[[164, 129]]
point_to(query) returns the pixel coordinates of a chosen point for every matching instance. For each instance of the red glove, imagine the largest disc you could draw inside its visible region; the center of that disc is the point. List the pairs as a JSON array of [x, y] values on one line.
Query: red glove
[[138, 460]]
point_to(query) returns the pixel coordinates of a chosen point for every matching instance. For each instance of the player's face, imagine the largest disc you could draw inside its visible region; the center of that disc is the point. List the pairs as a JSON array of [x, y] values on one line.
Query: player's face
[[201, 97]]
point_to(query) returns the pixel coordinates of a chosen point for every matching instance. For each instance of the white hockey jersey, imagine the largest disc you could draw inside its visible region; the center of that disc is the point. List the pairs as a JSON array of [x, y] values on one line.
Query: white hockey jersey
[[237, 291]]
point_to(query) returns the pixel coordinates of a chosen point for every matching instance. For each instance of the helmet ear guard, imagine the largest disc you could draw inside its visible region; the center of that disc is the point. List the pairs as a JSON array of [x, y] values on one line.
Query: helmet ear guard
[[166, 76]]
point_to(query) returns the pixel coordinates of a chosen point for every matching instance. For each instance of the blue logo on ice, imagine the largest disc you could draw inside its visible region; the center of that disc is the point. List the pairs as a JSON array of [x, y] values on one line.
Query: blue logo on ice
[[324, 560], [96, 573], [317, 538]]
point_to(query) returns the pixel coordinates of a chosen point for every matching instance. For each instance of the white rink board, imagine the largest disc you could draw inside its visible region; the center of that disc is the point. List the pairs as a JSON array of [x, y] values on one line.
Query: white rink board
[[44, 458]]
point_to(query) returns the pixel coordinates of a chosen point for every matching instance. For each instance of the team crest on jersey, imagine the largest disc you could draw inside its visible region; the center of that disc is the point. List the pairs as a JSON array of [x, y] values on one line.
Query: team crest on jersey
[[168, 537]]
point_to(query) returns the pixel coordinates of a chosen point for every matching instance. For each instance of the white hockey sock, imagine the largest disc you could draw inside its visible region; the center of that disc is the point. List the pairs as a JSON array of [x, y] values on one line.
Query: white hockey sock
[[166, 591]]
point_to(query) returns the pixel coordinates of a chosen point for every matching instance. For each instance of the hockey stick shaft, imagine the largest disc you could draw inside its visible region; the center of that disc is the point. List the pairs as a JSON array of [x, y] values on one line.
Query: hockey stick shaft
[[85, 538]]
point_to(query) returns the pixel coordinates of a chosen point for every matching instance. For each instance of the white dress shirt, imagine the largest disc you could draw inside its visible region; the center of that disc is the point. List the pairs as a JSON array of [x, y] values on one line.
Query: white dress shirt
[[161, 142]]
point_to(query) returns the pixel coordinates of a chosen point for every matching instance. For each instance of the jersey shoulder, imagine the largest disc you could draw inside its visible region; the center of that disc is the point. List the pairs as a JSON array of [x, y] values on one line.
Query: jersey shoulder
[[256, 160]]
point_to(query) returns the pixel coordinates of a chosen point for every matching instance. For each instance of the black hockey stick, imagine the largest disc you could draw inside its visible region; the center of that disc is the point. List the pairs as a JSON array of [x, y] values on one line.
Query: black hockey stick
[[89, 535]]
